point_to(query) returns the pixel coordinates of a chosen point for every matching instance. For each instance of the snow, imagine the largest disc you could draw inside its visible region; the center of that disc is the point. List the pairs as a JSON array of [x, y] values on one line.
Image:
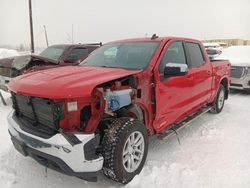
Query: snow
[[4, 53], [237, 55], [213, 152]]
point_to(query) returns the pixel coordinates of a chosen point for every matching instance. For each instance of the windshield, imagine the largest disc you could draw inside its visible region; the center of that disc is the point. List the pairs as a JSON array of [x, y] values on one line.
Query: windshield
[[132, 55], [53, 52]]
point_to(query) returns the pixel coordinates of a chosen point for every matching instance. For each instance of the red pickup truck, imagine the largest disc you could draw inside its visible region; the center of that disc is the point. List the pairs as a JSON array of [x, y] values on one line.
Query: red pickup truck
[[98, 116]]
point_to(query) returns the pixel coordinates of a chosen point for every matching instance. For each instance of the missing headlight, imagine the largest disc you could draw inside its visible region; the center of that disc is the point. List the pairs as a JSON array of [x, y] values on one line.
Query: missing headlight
[[85, 116]]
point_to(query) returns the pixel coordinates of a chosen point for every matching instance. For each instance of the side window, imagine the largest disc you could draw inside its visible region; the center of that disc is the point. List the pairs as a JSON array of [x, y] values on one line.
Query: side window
[[77, 54], [174, 54], [195, 54]]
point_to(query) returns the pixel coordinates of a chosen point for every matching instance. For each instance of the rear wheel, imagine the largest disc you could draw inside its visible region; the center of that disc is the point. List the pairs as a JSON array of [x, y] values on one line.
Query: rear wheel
[[219, 100], [125, 147]]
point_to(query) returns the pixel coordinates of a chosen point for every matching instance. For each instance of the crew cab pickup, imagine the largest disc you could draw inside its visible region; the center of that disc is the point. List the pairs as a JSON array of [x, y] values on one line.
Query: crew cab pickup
[[99, 115], [51, 57]]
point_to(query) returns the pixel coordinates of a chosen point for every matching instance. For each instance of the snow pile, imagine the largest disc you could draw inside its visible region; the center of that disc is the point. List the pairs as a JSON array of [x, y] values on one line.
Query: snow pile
[[237, 55], [7, 53], [4, 111], [213, 152]]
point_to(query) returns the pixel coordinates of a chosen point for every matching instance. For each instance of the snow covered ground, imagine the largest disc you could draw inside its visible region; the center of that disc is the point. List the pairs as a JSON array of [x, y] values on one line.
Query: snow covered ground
[[214, 152]]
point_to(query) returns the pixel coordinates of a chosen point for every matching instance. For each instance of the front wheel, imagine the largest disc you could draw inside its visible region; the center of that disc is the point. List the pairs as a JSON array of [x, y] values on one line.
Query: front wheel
[[125, 148], [219, 100]]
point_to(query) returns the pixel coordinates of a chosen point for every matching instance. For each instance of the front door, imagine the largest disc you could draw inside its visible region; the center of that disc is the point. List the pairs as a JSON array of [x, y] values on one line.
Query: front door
[[173, 94]]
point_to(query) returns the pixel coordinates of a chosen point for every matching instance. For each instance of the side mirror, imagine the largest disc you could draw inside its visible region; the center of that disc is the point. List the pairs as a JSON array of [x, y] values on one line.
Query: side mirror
[[175, 69]]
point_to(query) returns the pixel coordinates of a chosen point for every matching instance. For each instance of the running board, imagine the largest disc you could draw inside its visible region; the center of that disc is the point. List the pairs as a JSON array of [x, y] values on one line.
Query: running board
[[178, 126]]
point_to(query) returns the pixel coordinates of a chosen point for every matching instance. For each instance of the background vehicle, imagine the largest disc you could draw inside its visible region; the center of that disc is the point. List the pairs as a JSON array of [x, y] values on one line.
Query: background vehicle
[[239, 56], [213, 52], [99, 115], [51, 57], [213, 45]]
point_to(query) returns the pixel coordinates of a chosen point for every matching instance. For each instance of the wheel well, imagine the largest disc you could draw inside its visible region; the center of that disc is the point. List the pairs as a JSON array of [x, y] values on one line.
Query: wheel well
[[132, 111], [224, 82]]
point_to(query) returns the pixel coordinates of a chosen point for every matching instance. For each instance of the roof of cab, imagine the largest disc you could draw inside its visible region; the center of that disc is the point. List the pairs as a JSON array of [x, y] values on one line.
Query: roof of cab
[[149, 39]]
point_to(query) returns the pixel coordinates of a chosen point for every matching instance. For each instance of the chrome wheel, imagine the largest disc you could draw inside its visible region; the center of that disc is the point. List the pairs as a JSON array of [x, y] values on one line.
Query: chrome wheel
[[221, 99], [133, 151]]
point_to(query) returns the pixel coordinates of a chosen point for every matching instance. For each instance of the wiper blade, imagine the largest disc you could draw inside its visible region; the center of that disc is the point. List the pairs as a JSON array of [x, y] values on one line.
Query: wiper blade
[[105, 66]]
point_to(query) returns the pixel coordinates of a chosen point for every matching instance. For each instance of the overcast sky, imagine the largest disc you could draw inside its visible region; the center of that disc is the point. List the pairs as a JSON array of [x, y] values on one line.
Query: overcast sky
[[107, 20]]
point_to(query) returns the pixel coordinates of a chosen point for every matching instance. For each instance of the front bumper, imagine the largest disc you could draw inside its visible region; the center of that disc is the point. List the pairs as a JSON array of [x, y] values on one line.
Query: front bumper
[[3, 82], [240, 83], [57, 152]]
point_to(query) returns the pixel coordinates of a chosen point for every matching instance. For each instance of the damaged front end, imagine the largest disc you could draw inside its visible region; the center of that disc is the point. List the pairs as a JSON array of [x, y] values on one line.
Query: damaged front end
[[7, 72], [15, 66], [60, 134], [65, 133], [35, 131]]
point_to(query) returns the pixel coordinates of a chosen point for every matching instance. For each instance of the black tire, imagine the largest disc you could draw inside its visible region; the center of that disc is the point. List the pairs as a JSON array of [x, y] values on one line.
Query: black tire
[[114, 139], [217, 106]]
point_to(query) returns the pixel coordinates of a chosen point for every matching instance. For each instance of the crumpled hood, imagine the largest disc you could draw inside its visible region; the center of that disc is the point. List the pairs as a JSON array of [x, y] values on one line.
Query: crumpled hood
[[19, 62], [65, 82], [6, 62]]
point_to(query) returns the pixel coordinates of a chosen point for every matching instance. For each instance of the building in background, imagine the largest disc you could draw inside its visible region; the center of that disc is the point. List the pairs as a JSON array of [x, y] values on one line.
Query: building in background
[[229, 42]]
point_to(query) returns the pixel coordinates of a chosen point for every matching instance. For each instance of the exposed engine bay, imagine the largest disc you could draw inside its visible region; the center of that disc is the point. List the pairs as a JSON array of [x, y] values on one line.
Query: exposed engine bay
[[118, 94]]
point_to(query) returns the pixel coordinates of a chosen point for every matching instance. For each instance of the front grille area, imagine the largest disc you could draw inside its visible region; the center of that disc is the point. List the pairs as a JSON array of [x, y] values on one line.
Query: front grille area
[[37, 115], [9, 72], [5, 72], [237, 72]]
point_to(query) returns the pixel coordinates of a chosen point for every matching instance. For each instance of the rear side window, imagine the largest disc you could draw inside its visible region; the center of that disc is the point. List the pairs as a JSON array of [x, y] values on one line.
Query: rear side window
[[195, 54], [174, 54], [78, 54]]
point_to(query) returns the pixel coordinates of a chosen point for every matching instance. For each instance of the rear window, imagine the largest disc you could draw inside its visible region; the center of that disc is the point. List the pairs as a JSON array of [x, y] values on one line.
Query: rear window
[[78, 54], [195, 54]]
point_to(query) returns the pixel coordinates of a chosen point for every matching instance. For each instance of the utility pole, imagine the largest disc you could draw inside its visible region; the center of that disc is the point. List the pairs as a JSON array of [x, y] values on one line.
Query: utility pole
[[31, 29], [46, 37]]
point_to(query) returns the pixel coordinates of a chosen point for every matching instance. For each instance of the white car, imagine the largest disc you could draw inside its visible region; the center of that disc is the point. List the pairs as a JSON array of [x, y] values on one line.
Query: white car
[[239, 56]]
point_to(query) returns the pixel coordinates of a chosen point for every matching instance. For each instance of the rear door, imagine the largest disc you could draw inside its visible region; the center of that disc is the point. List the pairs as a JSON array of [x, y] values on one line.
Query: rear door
[[173, 95], [200, 69]]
